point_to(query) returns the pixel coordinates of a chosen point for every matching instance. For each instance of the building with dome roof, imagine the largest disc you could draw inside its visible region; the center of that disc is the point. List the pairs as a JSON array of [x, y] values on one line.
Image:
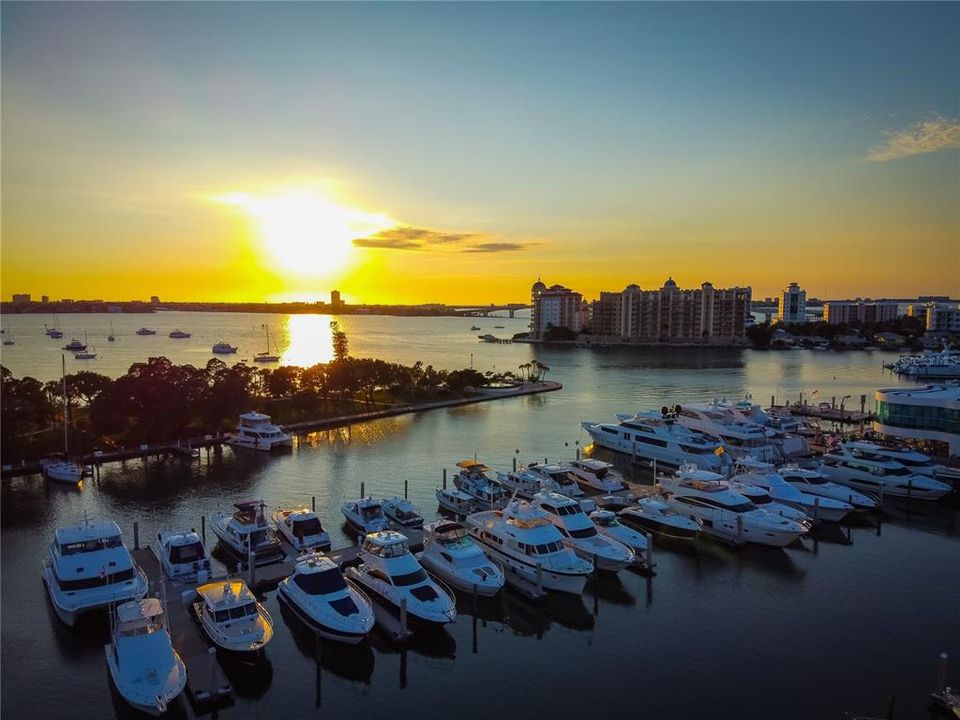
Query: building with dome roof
[[554, 306]]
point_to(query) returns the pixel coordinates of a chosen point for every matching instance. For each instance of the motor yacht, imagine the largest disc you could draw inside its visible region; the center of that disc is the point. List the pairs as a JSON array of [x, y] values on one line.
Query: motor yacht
[[365, 515], [301, 528], [247, 529], [608, 524], [145, 668], [914, 461], [450, 553], [557, 478], [402, 512], [232, 618], [761, 497], [524, 541], [598, 475], [146, 331], [224, 348], [750, 472], [456, 501], [816, 482], [522, 482], [658, 438], [318, 593], [390, 571], [726, 514], [88, 567], [739, 437], [868, 471], [255, 431], [472, 480], [183, 556], [655, 515], [179, 335], [785, 428], [74, 346], [581, 535]]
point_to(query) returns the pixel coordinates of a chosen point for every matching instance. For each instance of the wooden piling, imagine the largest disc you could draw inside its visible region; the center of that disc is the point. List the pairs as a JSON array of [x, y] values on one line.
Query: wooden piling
[[403, 617], [203, 528], [444, 478], [313, 503], [362, 494], [406, 489], [136, 536]]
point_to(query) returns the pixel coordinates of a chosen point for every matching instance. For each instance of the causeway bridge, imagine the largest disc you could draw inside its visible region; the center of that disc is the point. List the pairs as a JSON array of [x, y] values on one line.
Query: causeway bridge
[[485, 310]]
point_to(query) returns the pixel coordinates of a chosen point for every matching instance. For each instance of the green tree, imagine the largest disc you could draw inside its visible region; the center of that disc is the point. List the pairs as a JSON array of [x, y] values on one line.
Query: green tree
[[341, 345]]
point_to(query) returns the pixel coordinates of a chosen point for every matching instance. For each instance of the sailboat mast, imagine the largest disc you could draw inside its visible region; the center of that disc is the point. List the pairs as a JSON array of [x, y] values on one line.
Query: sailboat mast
[[63, 366]]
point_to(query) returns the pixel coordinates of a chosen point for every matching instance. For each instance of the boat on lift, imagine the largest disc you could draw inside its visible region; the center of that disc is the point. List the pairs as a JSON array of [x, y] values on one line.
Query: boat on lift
[[232, 618], [365, 515], [183, 556], [655, 515], [301, 528], [245, 530], [402, 512], [456, 501], [581, 535], [450, 553], [472, 480]]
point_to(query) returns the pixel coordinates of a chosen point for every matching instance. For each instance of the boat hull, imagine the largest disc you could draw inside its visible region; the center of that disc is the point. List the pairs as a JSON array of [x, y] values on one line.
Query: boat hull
[[572, 583], [69, 615], [262, 445], [413, 615], [323, 630], [136, 702], [457, 582], [659, 528]]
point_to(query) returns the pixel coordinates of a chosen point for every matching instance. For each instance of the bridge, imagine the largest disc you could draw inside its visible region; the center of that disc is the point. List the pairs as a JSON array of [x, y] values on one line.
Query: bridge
[[485, 310]]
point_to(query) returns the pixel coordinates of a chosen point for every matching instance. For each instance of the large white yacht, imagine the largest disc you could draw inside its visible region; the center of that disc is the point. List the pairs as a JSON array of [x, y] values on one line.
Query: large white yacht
[[783, 427], [607, 523], [656, 515], [761, 497], [739, 437], [598, 475], [450, 553], [365, 515], [301, 528], [183, 556], [88, 567], [232, 618], [319, 595], [473, 480], [522, 538], [863, 469], [557, 478], [754, 473], [914, 461], [145, 668], [255, 431], [247, 528], [389, 570], [726, 514], [658, 437], [581, 535], [814, 481]]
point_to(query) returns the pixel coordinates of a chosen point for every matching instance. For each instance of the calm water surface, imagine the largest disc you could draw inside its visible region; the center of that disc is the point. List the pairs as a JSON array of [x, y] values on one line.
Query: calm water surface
[[808, 632]]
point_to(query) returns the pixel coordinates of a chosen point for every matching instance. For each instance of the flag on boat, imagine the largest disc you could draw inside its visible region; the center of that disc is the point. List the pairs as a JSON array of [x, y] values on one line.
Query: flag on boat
[[718, 450]]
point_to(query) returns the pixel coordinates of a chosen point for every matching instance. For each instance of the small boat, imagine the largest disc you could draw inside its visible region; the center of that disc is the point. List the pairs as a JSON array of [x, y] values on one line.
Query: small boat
[[85, 355], [179, 334], [245, 530], [598, 475], [65, 471], [581, 535], [474, 327], [9, 341], [523, 483], [607, 523], [365, 515], [183, 556], [75, 346], [146, 331], [224, 348], [450, 553], [389, 570], [301, 528], [145, 668], [232, 618], [557, 478], [54, 333], [456, 501], [111, 336], [255, 431], [266, 357], [472, 480], [402, 512], [655, 515], [319, 595]]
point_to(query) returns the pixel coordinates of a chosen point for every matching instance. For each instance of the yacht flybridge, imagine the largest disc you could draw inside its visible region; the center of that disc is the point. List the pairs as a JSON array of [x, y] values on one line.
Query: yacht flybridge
[[784, 428], [472, 480], [246, 531], [864, 469], [450, 553], [581, 535], [88, 567], [255, 431], [232, 618], [301, 528], [522, 482]]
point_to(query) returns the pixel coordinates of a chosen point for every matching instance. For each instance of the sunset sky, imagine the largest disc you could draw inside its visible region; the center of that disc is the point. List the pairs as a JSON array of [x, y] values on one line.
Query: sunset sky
[[455, 152]]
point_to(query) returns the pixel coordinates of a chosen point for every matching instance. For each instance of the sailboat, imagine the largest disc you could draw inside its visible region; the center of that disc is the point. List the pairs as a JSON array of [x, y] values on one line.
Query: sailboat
[[63, 470], [111, 337], [266, 356], [85, 354], [9, 340], [54, 331]]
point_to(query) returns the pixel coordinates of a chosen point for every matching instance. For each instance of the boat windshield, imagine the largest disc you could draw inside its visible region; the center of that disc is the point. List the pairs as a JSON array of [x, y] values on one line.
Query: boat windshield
[[235, 613], [305, 528], [412, 578], [90, 545], [320, 583], [583, 532], [815, 479], [186, 553]]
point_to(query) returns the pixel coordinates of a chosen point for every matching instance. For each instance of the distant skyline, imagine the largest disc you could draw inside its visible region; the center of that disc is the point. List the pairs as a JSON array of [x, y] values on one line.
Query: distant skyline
[[409, 153]]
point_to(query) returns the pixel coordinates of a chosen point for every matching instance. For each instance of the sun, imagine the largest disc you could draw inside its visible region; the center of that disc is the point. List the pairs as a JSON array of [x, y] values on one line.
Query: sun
[[304, 231]]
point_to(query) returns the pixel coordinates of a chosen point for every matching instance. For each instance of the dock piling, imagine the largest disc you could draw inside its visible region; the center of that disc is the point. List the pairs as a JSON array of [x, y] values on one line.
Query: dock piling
[[403, 617], [816, 509], [539, 580], [942, 672], [211, 665], [203, 528], [739, 530], [313, 503], [406, 489], [444, 478], [136, 536], [251, 566], [649, 549], [514, 463], [362, 493]]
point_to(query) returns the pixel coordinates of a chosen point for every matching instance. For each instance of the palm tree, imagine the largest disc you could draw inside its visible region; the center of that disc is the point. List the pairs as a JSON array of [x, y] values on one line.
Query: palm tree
[[544, 369]]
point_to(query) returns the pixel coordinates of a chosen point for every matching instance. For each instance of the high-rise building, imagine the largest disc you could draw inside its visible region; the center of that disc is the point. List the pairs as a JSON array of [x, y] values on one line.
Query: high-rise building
[[792, 304], [335, 298], [554, 306], [846, 312], [941, 317], [21, 297], [44, 299]]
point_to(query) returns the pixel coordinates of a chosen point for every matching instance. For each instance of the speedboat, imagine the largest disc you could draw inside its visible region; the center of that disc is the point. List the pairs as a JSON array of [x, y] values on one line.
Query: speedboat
[[365, 515], [456, 501], [522, 539], [581, 535], [557, 478], [319, 595], [146, 331], [863, 469], [472, 480], [389, 570], [88, 567], [816, 482], [145, 668], [247, 529], [655, 515], [402, 512], [65, 471], [301, 528], [450, 553], [255, 431], [522, 482], [179, 335], [74, 346], [598, 475], [726, 514], [753, 473], [608, 524], [232, 618], [183, 556], [224, 348]]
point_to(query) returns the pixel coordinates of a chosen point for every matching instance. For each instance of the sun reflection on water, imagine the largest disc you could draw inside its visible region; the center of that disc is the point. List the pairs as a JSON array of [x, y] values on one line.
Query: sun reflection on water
[[309, 340]]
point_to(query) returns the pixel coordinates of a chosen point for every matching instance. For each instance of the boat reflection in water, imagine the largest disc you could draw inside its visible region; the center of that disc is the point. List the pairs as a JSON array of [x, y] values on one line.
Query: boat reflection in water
[[528, 618], [350, 662]]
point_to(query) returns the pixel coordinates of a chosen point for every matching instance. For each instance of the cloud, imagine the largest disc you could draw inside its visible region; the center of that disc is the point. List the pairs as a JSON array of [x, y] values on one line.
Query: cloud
[[408, 237], [496, 247], [932, 134]]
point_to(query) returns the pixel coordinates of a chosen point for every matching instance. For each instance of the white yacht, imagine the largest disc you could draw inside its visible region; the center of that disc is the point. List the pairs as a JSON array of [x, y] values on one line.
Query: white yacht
[[761, 497], [556, 478], [145, 668], [365, 515], [914, 461], [301, 528], [753, 473], [863, 469], [402, 512], [389, 570], [450, 553], [816, 482], [658, 437], [607, 523], [456, 501], [522, 539], [232, 618], [319, 595], [247, 528], [656, 515], [785, 427], [598, 475], [581, 535], [739, 437], [65, 471], [255, 431], [472, 480], [88, 567], [522, 482], [183, 556], [223, 348], [726, 514]]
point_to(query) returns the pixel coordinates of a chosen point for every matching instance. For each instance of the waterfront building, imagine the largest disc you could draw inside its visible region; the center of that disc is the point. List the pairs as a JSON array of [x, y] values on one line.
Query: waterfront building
[[845, 312], [21, 297], [154, 300], [792, 304], [937, 317], [554, 306], [44, 299], [671, 315], [335, 298], [931, 412]]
